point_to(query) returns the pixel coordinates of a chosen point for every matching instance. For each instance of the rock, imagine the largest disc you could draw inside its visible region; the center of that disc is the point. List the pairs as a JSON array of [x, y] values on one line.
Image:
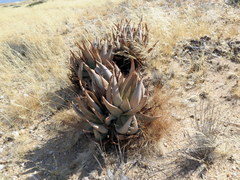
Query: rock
[[193, 98], [1, 134], [203, 95], [2, 166], [8, 139], [232, 76], [177, 117], [190, 85], [15, 134]]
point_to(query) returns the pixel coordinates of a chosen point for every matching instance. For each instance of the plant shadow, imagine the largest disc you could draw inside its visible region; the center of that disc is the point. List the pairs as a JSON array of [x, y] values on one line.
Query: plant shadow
[[62, 98], [70, 153], [194, 160], [185, 168]]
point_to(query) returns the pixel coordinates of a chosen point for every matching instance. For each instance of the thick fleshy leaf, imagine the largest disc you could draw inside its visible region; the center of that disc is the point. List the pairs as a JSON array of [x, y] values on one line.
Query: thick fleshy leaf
[[100, 128], [98, 91], [80, 71], [94, 76], [134, 84], [106, 52], [104, 71], [134, 126], [115, 111], [123, 129], [83, 106], [120, 79], [137, 95], [100, 116], [129, 85], [97, 56], [88, 56], [117, 100], [125, 106], [126, 83], [104, 83], [91, 103], [117, 71], [138, 108], [94, 97], [132, 69], [142, 103], [85, 117], [109, 94], [143, 89]]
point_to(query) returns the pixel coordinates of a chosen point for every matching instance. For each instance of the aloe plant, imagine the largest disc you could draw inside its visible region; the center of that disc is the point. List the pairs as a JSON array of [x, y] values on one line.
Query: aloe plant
[[90, 54], [113, 102], [130, 42], [125, 32], [112, 96]]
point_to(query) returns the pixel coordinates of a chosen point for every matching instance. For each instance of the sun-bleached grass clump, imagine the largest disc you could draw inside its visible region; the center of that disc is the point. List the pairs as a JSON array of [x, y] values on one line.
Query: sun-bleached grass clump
[[30, 69], [158, 104], [200, 151]]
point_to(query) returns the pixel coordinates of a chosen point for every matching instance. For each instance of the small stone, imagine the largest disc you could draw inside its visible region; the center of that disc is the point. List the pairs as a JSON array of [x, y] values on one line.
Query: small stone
[[177, 117], [8, 139], [190, 82], [15, 134], [2, 166], [23, 164], [191, 105], [232, 76], [190, 85], [193, 98], [203, 95], [1, 134]]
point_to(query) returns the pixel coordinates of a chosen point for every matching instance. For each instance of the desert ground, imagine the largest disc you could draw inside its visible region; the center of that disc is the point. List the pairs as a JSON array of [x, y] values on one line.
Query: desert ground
[[194, 70]]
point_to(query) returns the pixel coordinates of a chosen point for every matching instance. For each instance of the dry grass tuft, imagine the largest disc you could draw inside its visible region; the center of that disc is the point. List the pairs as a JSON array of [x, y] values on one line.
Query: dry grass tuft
[[22, 110], [67, 116], [155, 130], [200, 152]]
